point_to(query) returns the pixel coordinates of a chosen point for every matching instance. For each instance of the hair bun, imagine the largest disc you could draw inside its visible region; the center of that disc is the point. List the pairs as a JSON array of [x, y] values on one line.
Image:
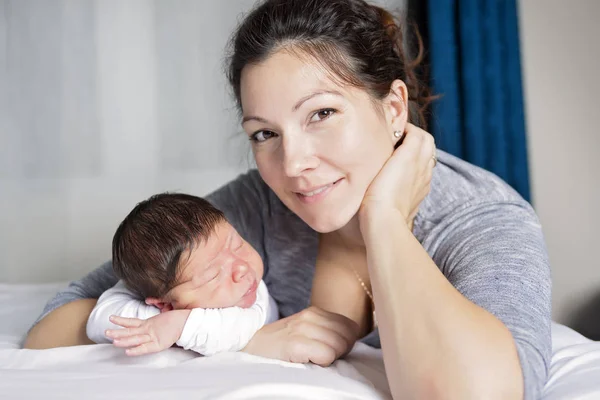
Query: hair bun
[[386, 18]]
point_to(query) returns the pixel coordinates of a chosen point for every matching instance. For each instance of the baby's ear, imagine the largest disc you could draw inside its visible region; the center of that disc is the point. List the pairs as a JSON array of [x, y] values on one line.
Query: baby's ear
[[161, 305]]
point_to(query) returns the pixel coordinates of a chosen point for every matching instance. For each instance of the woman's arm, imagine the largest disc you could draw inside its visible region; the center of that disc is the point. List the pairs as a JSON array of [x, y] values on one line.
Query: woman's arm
[[61, 327], [482, 328], [63, 321], [436, 343]]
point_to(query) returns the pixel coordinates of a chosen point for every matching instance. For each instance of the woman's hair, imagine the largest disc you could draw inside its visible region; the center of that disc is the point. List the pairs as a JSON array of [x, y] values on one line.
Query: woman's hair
[[148, 245], [357, 43]]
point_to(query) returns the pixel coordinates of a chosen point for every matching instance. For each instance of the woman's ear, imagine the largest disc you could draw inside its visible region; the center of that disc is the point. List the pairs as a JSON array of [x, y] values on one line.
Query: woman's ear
[[396, 105]]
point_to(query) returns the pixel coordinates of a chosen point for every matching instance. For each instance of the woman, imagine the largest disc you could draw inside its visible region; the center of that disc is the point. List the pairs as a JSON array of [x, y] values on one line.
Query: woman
[[451, 259]]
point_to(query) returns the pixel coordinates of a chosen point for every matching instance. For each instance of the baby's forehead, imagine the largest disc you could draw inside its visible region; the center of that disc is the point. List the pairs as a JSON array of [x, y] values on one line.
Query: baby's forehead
[[207, 248], [221, 232]]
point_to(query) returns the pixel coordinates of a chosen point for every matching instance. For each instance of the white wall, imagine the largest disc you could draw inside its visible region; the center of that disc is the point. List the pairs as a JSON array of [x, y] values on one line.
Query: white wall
[[561, 61], [103, 103]]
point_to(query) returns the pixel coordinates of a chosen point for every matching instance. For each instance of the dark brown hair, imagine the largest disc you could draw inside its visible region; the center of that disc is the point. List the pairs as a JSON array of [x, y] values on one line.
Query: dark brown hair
[[148, 244], [359, 44]]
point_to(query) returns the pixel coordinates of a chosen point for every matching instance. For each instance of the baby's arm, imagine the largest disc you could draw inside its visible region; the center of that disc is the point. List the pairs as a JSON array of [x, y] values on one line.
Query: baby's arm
[[205, 331], [118, 301], [212, 331]]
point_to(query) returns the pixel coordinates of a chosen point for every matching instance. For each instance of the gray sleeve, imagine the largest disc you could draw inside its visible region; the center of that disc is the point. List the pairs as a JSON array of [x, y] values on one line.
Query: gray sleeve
[[494, 254], [242, 200]]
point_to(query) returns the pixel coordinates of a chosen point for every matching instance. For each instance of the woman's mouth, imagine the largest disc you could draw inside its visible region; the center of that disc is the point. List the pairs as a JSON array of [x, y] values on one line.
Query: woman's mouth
[[316, 194]]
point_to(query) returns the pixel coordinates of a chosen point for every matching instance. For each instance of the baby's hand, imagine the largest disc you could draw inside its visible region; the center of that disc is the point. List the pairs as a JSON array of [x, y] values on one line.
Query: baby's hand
[[148, 336]]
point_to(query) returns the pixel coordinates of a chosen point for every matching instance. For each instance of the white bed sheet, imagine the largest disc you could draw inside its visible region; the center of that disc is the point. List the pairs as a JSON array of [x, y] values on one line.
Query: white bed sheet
[[102, 371]]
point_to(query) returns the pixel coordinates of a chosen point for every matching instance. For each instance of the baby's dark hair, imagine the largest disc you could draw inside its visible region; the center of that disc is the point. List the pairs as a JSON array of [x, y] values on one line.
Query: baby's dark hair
[[148, 245]]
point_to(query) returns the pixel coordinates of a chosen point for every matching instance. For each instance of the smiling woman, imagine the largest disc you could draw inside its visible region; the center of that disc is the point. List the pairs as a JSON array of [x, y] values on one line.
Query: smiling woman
[[338, 209], [325, 132]]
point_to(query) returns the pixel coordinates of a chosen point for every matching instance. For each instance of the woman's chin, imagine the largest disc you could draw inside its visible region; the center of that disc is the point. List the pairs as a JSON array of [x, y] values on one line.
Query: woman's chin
[[331, 222]]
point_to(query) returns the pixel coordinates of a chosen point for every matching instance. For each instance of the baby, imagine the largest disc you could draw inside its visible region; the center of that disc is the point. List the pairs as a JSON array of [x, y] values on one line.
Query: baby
[[187, 278]]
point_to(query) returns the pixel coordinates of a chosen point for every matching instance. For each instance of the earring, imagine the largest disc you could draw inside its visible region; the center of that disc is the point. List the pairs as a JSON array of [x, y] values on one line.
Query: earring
[[397, 134]]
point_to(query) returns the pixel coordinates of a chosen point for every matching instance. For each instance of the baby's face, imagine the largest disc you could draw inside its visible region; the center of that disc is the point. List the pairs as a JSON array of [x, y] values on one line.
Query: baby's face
[[223, 271]]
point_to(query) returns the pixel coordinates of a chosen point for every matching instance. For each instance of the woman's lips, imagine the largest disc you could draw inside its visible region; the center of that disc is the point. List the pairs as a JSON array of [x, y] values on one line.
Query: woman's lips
[[317, 194]]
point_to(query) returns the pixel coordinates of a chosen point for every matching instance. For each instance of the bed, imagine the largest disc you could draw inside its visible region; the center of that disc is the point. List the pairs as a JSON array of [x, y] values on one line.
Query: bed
[[101, 371]]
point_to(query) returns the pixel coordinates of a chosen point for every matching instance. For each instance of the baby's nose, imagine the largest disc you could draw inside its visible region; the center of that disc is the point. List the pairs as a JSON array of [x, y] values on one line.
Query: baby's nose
[[240, 270]]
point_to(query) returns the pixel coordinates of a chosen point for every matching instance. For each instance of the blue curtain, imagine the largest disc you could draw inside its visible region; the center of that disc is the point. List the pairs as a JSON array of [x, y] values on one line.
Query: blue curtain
[[476, 68]]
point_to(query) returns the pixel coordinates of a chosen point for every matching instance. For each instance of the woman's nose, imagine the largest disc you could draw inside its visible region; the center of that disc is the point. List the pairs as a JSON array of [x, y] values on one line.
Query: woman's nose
[[298, 156]]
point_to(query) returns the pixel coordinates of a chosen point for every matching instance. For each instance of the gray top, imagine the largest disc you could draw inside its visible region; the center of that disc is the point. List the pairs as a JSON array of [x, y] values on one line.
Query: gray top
[[482, 235]]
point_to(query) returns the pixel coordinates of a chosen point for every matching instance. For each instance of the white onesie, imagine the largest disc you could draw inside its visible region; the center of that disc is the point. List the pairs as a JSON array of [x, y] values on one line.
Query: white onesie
[[207, 330]]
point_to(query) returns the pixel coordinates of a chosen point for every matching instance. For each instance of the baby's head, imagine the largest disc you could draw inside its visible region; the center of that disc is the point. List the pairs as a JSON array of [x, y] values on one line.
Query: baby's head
[[177, 251]]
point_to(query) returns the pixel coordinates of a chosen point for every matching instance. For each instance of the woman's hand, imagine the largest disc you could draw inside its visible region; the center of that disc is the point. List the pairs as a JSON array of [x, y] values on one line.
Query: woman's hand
[[312, 335], [404, 180]]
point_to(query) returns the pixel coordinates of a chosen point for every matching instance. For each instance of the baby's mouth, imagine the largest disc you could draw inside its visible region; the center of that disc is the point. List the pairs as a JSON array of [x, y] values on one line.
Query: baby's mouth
[[251, 289]]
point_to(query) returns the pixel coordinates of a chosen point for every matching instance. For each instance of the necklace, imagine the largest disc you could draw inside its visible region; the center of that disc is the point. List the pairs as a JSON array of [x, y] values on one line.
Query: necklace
[[369, 294], [362, 284]]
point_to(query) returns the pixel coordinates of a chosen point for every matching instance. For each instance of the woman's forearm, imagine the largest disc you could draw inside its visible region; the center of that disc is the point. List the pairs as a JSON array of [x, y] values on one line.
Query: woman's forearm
[[63, 321], [436, 343], [63, 327]]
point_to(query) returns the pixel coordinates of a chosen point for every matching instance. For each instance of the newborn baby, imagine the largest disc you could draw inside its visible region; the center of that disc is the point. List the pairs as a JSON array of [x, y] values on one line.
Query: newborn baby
[[187, 278]]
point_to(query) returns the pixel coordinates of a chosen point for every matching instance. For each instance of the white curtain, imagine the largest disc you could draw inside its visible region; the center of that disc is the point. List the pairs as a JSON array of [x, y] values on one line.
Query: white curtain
[[102, 104]]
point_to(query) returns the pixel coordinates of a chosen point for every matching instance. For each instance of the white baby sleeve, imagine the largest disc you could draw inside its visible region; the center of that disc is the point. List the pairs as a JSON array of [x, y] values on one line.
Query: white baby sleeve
[[211, 331], [116, 301]]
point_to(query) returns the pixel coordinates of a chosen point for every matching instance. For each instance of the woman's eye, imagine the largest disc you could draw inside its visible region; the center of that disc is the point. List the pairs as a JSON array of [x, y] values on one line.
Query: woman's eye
[[322, 114], [262, 136]]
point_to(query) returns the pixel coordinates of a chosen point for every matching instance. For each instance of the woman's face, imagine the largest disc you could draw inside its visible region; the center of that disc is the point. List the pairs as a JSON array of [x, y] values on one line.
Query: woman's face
[[317, 144]]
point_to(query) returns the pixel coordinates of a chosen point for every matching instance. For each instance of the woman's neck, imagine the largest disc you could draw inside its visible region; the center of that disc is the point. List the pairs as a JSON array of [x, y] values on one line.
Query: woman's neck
[[350, 234]]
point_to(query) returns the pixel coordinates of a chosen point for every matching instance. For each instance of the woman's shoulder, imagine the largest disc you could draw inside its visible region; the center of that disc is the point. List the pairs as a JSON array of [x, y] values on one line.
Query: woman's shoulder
[[247, 200], [458, 185]]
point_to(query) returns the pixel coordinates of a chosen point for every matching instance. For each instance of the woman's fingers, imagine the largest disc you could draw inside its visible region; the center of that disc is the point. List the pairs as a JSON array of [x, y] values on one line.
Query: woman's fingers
[[337, 323], [426, 146], [312, 335], [304, 350], [331, 338], [427, 153]]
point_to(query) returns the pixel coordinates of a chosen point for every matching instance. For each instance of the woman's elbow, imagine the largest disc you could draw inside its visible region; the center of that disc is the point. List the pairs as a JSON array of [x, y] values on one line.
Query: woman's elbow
[[482, 383]]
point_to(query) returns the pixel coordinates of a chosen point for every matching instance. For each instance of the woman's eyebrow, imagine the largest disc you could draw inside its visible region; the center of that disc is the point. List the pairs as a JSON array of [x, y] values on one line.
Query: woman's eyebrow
[[315, 94], [254, 118], [296, 106]]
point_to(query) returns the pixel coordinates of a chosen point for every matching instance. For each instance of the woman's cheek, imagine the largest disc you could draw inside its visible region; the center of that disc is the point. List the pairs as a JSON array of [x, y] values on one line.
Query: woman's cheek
[[269, 171]]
